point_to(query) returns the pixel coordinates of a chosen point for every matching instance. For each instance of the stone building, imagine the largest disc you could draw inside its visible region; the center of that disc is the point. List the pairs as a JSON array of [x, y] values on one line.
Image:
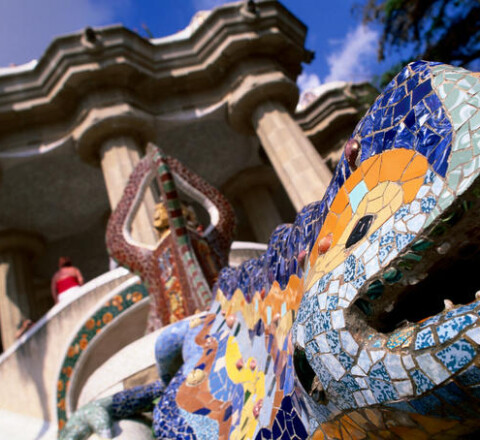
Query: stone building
[[220, 96]]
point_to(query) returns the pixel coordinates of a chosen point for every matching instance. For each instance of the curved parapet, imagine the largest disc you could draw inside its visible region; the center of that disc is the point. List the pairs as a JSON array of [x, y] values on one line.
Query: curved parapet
[[98, 337], [34, 359]]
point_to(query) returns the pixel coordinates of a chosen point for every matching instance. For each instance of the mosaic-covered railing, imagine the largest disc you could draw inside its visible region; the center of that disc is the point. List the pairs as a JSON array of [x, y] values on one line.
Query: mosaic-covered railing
[[105, 314], [352, 324]]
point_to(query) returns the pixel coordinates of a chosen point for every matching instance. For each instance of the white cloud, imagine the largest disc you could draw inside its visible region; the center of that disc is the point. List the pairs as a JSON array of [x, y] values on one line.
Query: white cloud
[[201, 5], [356, 55], [28, 26], [308, 81]]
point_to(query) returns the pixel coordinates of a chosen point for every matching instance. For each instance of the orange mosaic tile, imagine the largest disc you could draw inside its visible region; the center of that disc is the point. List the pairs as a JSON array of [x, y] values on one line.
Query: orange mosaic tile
[[371, 169], [340, 202], [410, 189], [394, 163], [417, 168]]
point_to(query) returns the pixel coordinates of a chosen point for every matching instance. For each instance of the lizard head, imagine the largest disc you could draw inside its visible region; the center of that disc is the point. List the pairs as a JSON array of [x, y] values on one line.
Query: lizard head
[[389, 318]]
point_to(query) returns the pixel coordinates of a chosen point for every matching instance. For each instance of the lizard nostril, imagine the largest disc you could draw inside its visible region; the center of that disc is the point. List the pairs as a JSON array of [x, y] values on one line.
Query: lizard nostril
[[307, 376]]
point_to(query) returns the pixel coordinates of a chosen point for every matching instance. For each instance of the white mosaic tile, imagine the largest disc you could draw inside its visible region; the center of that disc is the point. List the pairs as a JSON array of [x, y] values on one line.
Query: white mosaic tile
[[348, 343], [322, 301], [333, 365], [408, 362], [474, 334], [372, 267], [364, 361], [437, 186], [387, 226], [351, 292], [404, 388], [423, 191], [369, 397], [322, 342], [338, 320], [416, 224], [357, 371], [415, 207], [358, 396], [362, 383], [371, 252], [377, 355], [300, 336], [394, 366], [334, 286], [433, 369]]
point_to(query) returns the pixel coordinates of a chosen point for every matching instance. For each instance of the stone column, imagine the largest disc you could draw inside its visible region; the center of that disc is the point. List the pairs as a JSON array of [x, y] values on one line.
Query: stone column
[[261, 104], [118, 157], [17, 296], [261, 211], [300, 168]]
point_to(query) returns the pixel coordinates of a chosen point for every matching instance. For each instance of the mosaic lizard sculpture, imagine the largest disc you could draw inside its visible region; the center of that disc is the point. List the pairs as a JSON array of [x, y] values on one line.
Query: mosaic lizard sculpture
[[340, 331], [180, 269]]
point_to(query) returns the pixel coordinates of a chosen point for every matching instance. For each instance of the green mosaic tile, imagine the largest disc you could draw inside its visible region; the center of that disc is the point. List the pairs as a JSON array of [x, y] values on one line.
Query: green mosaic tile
[[445, 200], [476, 143], [462, 114], [463, 138], [454, 179], [454, 98], [460, 157], [475, 122], [454, 76], [464, 184], [438, 79], [470, 80], [422, 245], [445, 89], [464, 83], [475, 100], [392, 275]]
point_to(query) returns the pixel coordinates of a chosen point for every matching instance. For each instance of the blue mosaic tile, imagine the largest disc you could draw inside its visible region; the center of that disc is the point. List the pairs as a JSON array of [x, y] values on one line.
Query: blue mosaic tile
[[384, 252], [470, 377], [427, 405], [424, 339], [389, 237], [374, 236], [350, 266], [422, 382], [428, 204], [401, 212], [457, 355], [378, 371], [342, 393], [332, 302], [359, 282], [454, 326], [323, 282], [381, 390], [346, 360], [430, 321], [461, 309], [429, 177], [403, 239]]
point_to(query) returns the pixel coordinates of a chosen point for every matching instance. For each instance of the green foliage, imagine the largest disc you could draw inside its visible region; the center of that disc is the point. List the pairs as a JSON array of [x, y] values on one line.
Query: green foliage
[[436, 30]]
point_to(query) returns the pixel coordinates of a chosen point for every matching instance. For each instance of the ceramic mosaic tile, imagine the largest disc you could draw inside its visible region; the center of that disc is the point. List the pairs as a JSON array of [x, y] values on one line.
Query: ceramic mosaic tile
[[288, 353]]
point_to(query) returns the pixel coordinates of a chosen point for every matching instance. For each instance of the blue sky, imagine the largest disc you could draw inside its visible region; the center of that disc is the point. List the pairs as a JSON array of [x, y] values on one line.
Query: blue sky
[[345, 50]]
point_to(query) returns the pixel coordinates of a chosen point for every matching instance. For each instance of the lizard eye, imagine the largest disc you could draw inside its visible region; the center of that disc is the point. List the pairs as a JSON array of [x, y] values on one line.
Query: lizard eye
[[360, 230]]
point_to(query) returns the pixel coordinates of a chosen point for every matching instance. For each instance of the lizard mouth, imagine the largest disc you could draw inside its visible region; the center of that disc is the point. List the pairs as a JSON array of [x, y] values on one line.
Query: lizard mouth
[[438, 271]]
